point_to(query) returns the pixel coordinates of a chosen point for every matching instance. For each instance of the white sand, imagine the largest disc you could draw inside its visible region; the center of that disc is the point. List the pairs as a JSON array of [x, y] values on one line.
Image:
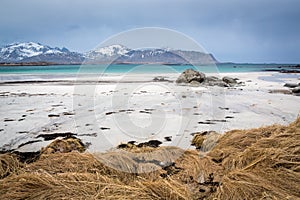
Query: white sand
[[143, 109]]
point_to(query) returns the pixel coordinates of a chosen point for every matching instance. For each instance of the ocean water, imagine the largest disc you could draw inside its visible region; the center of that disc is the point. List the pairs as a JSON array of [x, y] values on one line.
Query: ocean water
[[133, 68]]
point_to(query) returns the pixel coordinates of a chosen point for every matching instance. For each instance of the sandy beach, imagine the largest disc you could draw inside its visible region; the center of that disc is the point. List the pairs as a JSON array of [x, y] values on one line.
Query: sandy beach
[[112, 109]]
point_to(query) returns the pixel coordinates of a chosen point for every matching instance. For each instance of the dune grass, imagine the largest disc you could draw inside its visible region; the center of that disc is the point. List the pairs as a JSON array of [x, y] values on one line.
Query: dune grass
[[262, 163]]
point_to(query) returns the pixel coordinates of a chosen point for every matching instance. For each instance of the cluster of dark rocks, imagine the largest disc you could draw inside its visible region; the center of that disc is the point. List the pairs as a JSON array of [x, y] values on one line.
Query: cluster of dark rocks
[[195, 78], [160, 79], [132, 144], [294, 88]]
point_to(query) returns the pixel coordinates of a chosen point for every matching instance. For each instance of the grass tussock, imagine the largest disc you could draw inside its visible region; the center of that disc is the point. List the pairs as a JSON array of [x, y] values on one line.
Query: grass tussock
[[262, 163], [205, 141], [66, 145]]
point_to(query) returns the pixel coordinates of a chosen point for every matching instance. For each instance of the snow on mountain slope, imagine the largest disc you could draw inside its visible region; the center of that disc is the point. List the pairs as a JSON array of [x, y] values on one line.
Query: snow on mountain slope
[[19, 51], [111, 51]]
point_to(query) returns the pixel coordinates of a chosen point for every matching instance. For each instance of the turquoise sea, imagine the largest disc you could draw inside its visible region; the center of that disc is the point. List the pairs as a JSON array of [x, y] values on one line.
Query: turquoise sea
[[133, 68]]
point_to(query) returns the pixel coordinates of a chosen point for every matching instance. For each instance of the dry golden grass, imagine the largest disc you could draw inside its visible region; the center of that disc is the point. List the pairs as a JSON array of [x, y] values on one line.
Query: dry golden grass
[[205, 141], [9, 164], [261, 163], [66, 145], [81, 176], [198, 140]]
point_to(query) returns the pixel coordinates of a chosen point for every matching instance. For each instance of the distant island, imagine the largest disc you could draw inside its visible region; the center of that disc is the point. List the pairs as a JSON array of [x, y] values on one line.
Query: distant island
[[29, 63]]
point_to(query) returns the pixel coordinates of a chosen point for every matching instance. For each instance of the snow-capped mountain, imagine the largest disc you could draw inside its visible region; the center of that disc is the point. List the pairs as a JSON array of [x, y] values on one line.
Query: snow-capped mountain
[[106, 54], [30, 52], [36, 52], [122, 54], [151, 56]]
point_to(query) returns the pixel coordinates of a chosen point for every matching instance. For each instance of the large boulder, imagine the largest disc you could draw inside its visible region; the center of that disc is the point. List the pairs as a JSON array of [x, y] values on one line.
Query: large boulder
[[190, 75]]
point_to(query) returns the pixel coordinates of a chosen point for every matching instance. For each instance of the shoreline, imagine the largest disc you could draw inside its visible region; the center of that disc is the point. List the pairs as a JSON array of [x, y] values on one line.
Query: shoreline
[[14, 77], [44, 63]]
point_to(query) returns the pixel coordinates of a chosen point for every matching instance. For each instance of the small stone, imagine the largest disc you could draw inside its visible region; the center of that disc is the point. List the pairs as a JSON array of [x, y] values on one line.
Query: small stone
[[291, 85], [53, 115]]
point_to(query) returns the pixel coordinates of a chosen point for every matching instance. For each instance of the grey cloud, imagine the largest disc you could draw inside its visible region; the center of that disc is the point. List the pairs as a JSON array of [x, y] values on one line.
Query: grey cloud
[[233, 30]]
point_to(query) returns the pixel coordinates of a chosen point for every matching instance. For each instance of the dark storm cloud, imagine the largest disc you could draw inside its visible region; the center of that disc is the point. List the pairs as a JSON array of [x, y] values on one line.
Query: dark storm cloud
[[233, 30]]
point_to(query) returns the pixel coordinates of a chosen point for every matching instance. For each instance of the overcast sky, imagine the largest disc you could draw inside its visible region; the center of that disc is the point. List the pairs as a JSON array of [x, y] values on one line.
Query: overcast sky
[[232, 30]]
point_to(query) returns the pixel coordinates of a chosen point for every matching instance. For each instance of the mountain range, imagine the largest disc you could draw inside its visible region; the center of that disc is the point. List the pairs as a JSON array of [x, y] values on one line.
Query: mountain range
[[30, 52]]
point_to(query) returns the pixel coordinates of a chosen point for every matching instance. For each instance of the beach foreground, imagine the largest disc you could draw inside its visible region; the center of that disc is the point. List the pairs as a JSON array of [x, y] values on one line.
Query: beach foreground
[[260, 163], [107, 111]]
